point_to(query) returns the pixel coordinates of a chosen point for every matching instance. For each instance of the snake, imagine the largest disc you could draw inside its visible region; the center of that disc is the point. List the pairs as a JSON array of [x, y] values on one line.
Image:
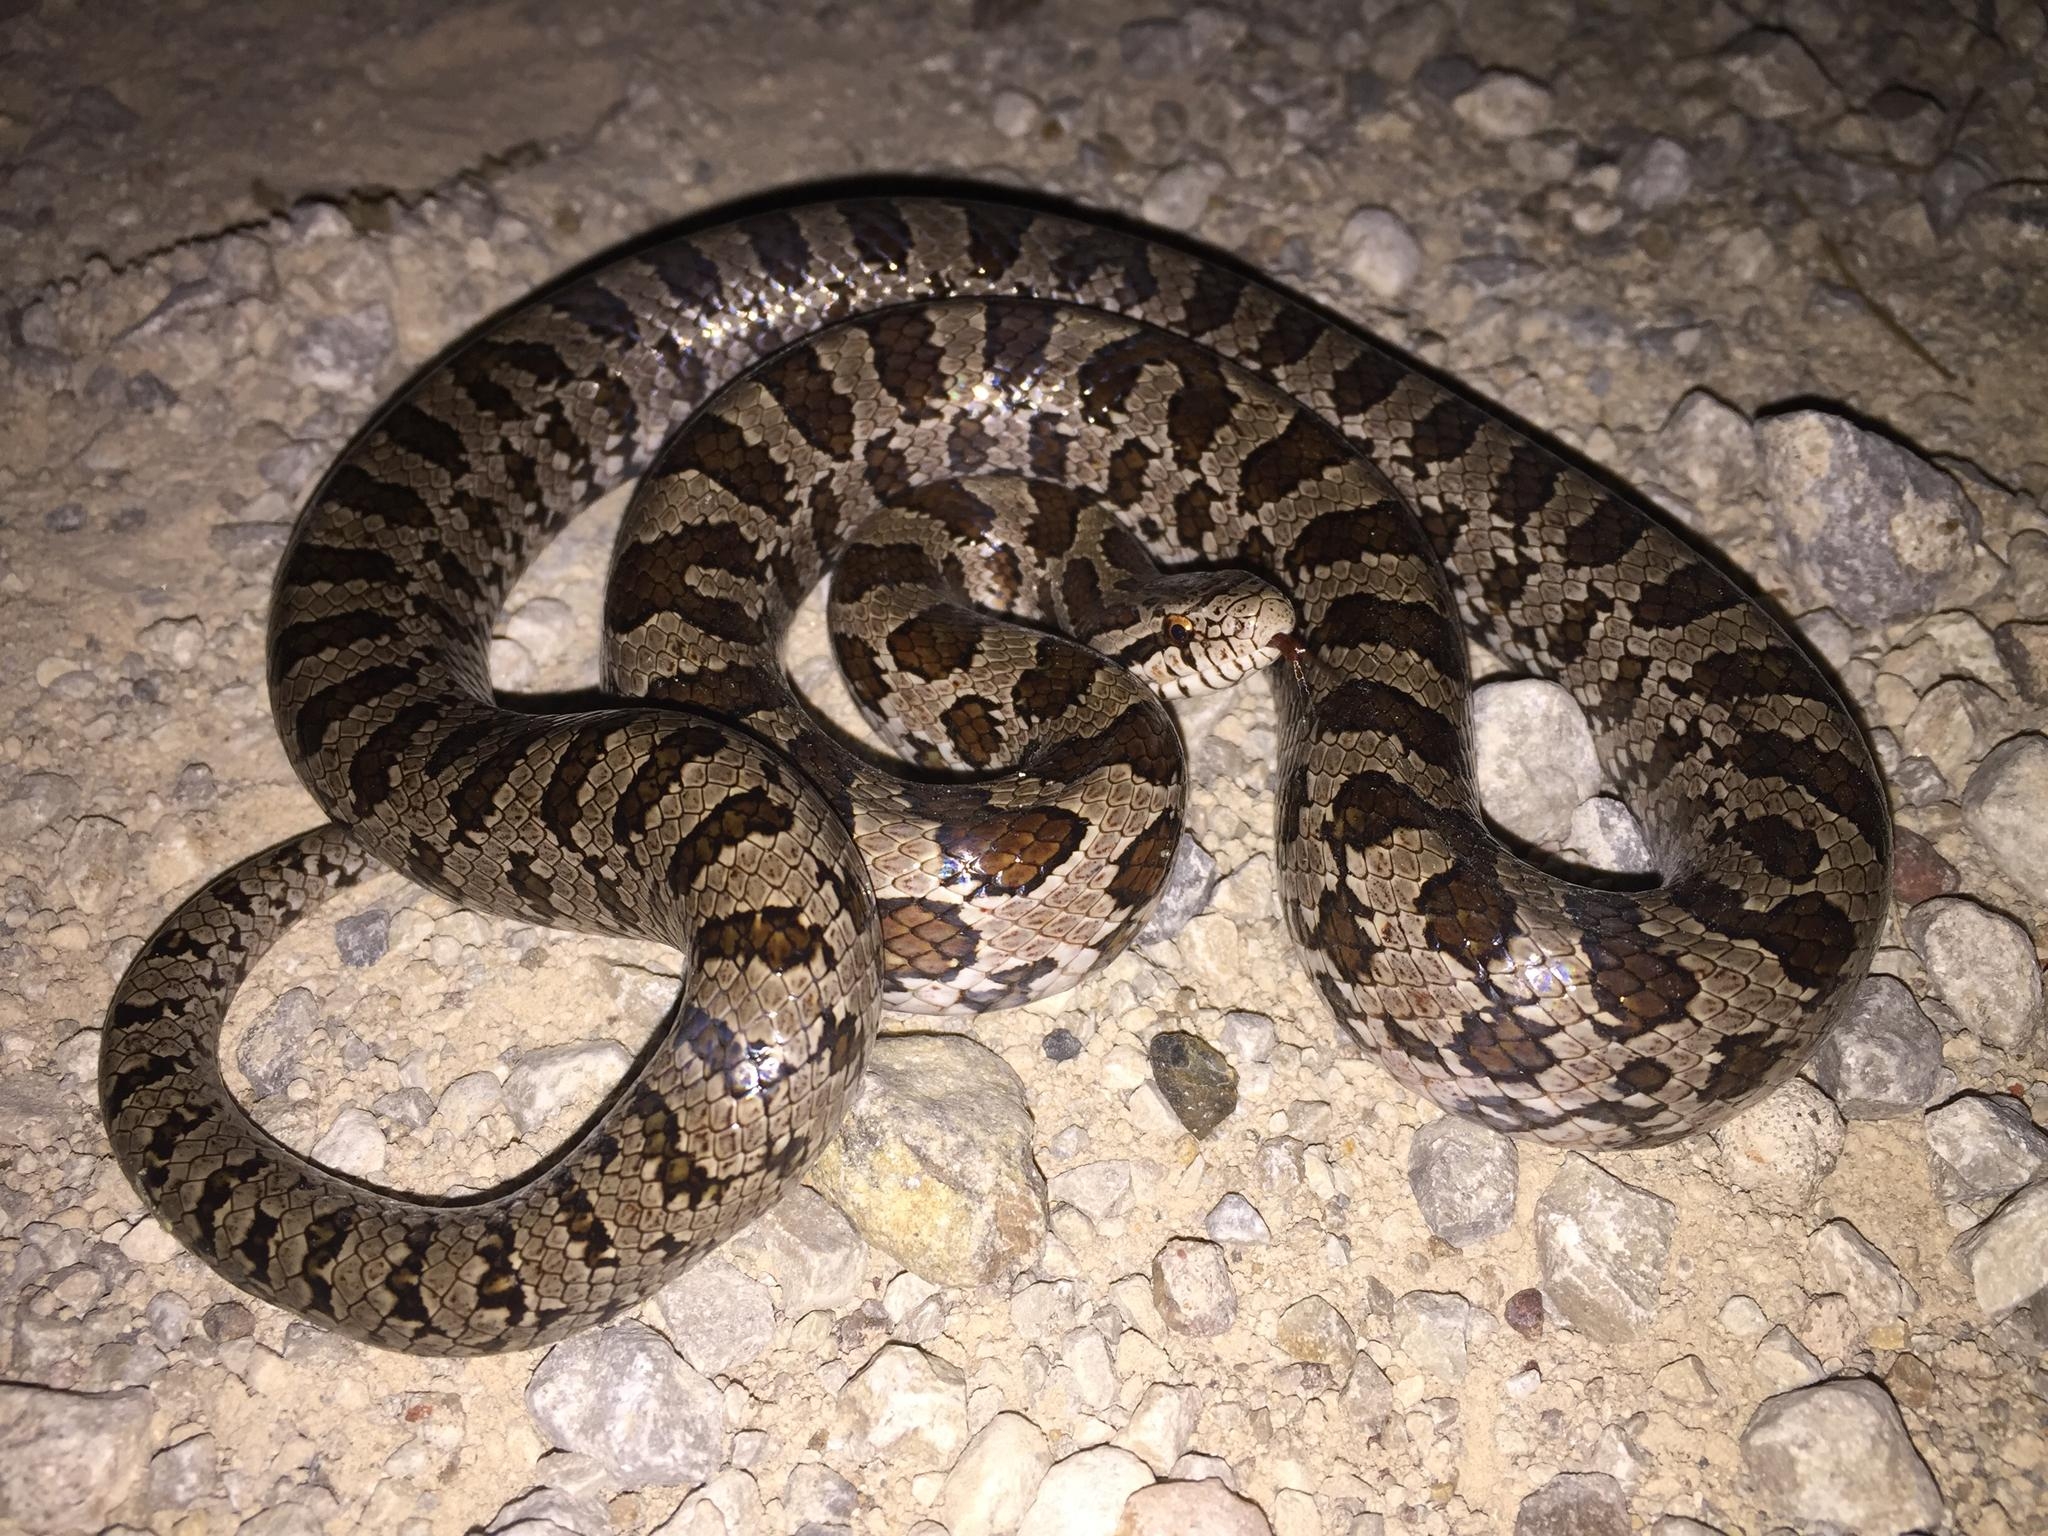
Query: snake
[[990, 423]]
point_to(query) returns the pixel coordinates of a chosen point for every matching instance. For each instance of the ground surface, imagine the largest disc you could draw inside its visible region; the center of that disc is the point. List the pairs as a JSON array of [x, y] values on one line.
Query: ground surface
[[231, 229]]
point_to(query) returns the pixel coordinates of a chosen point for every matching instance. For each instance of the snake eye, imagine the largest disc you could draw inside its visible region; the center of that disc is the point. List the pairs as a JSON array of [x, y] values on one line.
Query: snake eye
[[1179, 629]]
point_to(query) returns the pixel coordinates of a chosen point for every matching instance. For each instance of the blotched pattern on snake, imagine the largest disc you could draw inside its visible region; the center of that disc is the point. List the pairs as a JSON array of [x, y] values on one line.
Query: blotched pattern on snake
[[1082, 402]]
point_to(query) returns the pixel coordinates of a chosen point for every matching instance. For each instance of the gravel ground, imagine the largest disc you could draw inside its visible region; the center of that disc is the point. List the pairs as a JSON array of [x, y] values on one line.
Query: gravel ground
[[1784, 275]]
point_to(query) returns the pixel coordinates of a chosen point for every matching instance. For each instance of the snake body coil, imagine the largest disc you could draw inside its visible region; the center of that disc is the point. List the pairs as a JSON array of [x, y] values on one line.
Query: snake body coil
[[940, 370]]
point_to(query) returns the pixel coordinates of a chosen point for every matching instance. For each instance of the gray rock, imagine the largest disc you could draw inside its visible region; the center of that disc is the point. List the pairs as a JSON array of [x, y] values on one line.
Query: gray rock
[[362, 939], [1712, 448], [1191, 1287], [1983, 1146], [181, 1475], [354, 1145], [1190, 882], [1884, 1059], [1377, 247], [1604, 834], [1982, 965], [1101, 1191], [409, 1107], [717, 1316], [542, 1081], [1574, 1504], [1535, 757], [623, 1397], [1406, 38], [344, 354], [1837, 1453], [815, 1493], [1771, 75], [1179, 195], [1434, 1330], [1015, 114], [1464, 1178], [1198, 1083], [1155, 48], [1602, 1246], [469, 1098], [934, 1163], [811, 1251], [2006, 1257], [1502, 105], [2002, 808], [1249, 1037], [903, 1402], [543, 1511], [36, 800], [1874, 528], [270, 1048], [1783, 1145], [95, 863], [1781, 1362], [1234, 1219], [1850, 1264], [1656, 173], [69, 1459]]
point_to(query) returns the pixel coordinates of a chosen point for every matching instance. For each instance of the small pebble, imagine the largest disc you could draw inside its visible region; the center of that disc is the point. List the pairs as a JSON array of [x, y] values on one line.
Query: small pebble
[[1191, 1287], [1196, 1079]]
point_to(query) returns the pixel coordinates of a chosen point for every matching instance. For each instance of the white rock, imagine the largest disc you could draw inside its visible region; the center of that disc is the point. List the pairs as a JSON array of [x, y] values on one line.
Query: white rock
[[1982, 965], [1162, 1425], [1984, 1146], [2007, 1256], [1783, 1362], [354, 1144], [622, 1396], [1234, 1219], [68, 1459], [1084, 1494], [1206, 1508], [1505, 106], [719, 1317], [904, 1402], [1100, 1191], [1535, 757], [1784, 1145], [1380, 250], [1603, 1246], [992, 1484], [2002, 807], [1852, 1265], [1433, 1329], [542, 1081], [809, 1248]]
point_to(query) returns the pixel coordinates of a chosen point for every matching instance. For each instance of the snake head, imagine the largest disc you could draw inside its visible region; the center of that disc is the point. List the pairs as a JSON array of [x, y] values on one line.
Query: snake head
[[1204, 630]]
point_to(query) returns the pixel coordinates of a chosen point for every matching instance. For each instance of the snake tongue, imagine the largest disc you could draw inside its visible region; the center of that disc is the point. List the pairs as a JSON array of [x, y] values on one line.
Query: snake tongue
[[1288, 644]]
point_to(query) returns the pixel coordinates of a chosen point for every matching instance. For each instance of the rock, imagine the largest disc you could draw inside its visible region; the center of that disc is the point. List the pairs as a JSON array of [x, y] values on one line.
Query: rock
[[1685, 1380], [468, 1099], [1884, 1059], [1574, 1504], [1313, 1330], [1234, 1219], [1368, 1398], [183, 1474], [95, 863], [1850, 1264], [1783, 1362], [1190, 882], [1712, 446], [1155, 49], [623, 1397], [1771, 75], [1433, 1329], [69, 1459], [1602, 1246], [362, 939], [1205, 1508], [2023, 647], [992, 1484], [270, 1049], [934, 1163], [816, 1495], [1535, 757], [1179, 195], [1524, 1312], [718, 1317], [1983, 1147], [1656, 173], [354, 1144], [1982, 965], [1196, 1080], [1604, 834], [2006, 1257], [1405, 38], [1085, 1494], [1463, 1177], [809, 1249], [1061, 1044], [903, 1402], [545, 1511], [1919, 873], [1838, 1453], [1191, 1287], [1162, 1425], [1016, 114], [2002, 808], [1783, 1145], [1873, 527], [1503, 105], [1377, 248], [729, 1505], [37, 800], [542, 1081], [1101, 1191]]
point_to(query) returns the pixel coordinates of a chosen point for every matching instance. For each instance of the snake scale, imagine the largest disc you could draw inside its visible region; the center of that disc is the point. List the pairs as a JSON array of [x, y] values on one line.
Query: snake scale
[[1078, 400]]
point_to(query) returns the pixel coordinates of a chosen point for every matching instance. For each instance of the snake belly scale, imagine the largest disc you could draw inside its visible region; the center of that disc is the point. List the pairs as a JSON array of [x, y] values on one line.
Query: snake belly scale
[[922, 358]]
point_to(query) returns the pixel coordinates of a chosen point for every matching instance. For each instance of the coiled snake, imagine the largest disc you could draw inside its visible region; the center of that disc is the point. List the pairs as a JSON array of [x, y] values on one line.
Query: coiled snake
[[1076, 400]]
